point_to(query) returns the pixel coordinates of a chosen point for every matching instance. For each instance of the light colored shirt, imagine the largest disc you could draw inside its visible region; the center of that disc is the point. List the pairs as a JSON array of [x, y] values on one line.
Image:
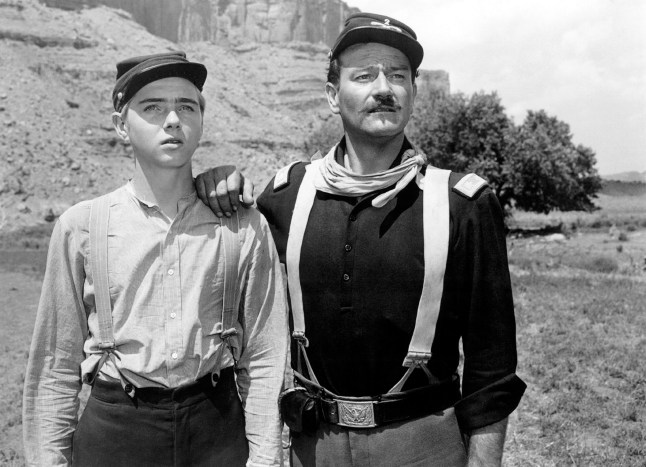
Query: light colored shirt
[[166, 283]]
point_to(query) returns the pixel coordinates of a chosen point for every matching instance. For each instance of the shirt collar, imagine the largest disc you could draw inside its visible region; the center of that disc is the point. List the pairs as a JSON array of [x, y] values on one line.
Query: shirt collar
[[186, 200]]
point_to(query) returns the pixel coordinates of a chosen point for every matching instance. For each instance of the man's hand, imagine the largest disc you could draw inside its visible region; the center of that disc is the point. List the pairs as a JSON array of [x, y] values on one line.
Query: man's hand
[[224, 189], [486, 445]]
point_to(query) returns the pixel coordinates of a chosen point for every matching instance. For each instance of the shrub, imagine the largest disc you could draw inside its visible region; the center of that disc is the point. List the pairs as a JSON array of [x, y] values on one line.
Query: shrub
[[599, 263]]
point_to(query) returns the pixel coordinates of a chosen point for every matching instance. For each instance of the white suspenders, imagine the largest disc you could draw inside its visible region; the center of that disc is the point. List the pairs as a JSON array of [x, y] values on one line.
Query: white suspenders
[[436, 244], [99, 219]]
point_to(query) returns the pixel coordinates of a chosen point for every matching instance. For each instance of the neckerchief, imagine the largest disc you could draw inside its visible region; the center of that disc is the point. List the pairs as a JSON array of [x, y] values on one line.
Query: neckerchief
[[331, 177]]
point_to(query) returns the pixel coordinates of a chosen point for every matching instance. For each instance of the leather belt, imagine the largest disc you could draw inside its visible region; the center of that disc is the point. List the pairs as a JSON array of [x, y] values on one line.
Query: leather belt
[[367, 412]]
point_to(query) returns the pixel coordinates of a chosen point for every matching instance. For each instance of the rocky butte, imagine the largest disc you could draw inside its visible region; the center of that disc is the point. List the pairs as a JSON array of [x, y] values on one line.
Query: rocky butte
[[267, 65], [234, 22], [231, 21]]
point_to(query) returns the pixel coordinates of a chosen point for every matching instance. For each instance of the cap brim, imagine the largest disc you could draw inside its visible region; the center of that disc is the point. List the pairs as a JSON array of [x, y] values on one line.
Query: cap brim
[[409, 46], [193, 72]]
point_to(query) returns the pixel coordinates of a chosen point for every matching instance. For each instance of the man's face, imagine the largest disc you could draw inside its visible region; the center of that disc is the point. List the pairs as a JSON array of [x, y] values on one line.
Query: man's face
[[375, 93], [163, 123]]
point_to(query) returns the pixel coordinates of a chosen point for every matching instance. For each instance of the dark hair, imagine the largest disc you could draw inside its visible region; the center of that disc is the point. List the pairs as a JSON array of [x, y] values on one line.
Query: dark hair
[[334, 72]]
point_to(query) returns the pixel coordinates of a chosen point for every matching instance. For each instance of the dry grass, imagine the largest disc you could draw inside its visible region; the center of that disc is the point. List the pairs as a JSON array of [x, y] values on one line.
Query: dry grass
[[582, 351], [581, 320]]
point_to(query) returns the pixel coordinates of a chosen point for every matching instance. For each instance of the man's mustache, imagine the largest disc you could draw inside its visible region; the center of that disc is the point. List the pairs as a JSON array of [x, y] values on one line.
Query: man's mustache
[[384, 104]]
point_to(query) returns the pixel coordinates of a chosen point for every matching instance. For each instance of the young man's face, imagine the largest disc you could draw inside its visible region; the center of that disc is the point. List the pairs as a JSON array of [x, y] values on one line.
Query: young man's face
[[163, 123], [375, 94]]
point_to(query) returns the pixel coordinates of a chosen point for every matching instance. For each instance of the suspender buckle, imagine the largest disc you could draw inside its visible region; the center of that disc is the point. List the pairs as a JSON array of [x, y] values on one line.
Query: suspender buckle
[[299, 336], [414, 359]]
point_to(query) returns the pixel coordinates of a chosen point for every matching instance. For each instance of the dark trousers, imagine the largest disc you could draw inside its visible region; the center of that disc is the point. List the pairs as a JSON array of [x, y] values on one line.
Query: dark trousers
[[193, 425], [430, 441]]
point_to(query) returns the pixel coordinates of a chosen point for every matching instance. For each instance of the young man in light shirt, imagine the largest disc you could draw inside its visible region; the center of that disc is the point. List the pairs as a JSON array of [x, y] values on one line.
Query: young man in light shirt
[[173, 382]]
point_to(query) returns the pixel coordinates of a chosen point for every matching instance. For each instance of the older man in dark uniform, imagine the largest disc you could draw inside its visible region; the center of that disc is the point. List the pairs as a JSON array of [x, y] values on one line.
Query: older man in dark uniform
[[366, 257]]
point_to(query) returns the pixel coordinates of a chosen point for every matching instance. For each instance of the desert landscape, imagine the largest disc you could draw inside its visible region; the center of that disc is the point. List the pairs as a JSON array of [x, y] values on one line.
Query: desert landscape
[[579, 291]]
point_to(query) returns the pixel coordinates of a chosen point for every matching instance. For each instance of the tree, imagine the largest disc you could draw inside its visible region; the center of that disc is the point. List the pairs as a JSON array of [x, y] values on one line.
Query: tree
[[535, 166], [467, 134], [547, 170]]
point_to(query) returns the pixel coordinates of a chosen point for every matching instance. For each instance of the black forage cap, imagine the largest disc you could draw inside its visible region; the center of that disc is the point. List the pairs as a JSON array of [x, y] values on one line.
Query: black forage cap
[[371, 27], [136, 72]]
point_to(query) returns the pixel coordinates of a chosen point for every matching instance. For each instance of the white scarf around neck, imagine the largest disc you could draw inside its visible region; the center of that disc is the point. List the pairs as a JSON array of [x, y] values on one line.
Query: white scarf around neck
[[331, 177]]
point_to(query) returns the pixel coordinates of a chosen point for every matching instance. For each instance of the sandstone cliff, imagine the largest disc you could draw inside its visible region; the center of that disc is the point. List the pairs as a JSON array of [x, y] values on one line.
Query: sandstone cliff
[[231, 21]]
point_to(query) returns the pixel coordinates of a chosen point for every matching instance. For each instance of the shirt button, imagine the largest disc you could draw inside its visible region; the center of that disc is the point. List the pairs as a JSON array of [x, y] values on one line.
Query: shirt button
[[348, 247], [346, 277], [171, 272], [174, 355], [173, 314]]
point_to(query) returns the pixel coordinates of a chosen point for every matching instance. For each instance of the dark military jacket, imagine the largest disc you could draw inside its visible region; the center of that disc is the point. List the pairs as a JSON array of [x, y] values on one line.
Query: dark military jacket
[[362, 271]]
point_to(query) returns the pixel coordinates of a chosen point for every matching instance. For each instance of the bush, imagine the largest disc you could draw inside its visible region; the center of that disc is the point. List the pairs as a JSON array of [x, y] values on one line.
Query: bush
[[600, 263]]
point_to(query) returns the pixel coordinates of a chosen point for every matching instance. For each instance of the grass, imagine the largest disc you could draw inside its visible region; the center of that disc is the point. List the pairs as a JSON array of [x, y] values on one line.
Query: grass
[[582, 351], [627, 212], [581, 316]]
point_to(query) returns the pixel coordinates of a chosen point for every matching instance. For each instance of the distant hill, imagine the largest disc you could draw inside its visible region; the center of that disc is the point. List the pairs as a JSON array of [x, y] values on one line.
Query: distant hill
[[633, 176], [619, 188]]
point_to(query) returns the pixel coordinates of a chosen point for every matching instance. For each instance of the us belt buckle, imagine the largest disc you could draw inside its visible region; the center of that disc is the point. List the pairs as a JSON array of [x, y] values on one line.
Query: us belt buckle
[[356, 414]]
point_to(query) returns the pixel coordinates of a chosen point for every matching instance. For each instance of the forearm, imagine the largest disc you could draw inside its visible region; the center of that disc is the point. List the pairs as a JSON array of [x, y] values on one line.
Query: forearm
[[264, 357], [52, 379], [486, 445]]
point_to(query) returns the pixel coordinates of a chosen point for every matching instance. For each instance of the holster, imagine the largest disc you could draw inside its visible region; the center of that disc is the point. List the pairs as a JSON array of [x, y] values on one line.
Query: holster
[[300, 409]]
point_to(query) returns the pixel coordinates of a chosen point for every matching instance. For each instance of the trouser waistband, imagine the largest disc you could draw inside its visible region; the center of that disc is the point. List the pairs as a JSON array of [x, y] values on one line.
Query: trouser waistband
[[192, 393]]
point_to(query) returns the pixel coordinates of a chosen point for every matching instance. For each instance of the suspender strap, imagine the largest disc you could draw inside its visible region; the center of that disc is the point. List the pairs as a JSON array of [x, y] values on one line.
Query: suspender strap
[[230, 227], [436, 247], [302, 208], [99, 218], [436, 242]]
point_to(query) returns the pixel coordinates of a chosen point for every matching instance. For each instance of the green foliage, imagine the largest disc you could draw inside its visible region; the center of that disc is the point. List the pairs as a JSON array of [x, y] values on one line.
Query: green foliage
[[534, 166]]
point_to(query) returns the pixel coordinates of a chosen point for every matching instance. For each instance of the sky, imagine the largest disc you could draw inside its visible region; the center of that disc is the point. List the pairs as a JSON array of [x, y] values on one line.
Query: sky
[[582, 61]]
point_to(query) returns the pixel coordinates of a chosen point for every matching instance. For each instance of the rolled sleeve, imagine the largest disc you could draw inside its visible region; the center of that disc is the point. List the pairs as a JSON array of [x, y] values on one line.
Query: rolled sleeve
[[263, 360], [491, 388], [52, 380], [490, 404]]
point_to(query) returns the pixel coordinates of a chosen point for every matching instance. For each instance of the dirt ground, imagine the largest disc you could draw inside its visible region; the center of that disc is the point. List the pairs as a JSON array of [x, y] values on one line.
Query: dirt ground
[[19, 292]]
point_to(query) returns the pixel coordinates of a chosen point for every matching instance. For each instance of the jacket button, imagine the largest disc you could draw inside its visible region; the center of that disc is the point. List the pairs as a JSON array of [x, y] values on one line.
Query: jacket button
[[346, 277], [348, 247]]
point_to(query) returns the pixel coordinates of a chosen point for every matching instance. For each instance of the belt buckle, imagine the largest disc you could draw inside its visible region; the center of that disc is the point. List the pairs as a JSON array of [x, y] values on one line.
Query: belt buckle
[[356, 414]]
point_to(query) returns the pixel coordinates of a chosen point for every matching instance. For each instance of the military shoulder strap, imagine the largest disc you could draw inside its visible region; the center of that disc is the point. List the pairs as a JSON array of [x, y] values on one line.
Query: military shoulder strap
[[282, 176], [470, 185]]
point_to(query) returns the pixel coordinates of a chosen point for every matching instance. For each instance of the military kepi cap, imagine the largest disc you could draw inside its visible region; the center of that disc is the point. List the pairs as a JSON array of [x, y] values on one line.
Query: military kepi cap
[[370, 27], [136, 72]]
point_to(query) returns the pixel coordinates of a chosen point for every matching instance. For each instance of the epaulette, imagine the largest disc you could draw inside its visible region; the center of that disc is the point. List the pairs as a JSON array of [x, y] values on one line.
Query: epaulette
[[282, 176], [470, 185]]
